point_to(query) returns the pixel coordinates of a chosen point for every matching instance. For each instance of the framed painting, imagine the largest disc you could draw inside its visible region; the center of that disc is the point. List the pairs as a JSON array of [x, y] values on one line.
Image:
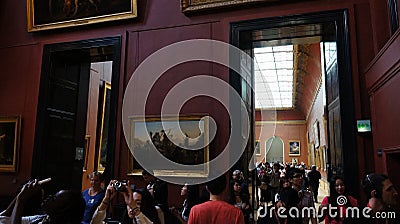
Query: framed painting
[[200, 5], [294, 148], [9, 142], [52, 14], [257, 148], [157, 143], [316, 134], [103, 135]]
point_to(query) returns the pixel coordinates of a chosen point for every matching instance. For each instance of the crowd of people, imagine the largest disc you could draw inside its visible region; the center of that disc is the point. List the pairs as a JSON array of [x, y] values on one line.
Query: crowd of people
[[298, 191], [281, 189]]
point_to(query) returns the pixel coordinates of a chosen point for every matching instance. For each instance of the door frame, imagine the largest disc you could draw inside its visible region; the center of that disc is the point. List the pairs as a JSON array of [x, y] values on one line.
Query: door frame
[[344, 77], [49, 52]]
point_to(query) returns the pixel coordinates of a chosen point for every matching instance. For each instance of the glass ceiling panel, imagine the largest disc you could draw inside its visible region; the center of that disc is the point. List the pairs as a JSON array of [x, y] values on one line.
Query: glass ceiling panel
[[274, 77]]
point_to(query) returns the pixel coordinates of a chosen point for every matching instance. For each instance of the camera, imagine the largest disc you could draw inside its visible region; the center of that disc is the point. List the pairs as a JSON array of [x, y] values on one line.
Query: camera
[[120, 186]]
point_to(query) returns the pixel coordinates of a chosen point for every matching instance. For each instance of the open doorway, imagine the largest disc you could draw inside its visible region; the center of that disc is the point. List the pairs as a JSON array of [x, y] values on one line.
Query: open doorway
[[76, 122], [323, 33]]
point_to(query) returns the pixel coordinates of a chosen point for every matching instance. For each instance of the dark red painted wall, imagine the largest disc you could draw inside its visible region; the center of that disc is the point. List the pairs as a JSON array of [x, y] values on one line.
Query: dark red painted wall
[[159, 23], [383, 81]]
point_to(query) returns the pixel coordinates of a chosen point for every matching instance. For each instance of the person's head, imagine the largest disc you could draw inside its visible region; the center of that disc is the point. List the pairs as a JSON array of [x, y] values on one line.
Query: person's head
[[65, 206], [284, 183], [276, 167], [145, 203], [184, 190], [337, 186], [237, 174], [289, 197], [147, 176], [295, 176], [217, 186], [313, 167], [95, 179], [380, 187], [236, 185]]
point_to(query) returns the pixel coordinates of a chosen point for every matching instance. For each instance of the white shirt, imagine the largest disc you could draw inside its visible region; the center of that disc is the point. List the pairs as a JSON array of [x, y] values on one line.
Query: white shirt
[[24, 219]]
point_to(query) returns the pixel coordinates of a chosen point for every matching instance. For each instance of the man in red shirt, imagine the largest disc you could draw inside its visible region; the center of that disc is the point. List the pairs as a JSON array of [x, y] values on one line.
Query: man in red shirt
[[216, 210]]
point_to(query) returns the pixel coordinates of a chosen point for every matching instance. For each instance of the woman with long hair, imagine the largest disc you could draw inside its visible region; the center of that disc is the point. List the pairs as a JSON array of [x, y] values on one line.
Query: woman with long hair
[[339, 200], [145, 204], [240, 199], [139, 204], [191, 193]]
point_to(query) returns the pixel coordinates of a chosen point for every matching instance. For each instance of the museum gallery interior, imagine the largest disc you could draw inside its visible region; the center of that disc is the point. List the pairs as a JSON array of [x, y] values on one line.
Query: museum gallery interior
[[313, 82]]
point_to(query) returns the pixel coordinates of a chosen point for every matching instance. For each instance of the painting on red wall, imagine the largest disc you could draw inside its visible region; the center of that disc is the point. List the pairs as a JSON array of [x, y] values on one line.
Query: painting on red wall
[[9, 142], [52, 14], [294, 148], [184, 140]]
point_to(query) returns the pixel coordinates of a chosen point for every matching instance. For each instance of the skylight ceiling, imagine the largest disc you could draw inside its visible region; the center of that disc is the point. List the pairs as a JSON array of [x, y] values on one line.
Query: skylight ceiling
[[274, 77]]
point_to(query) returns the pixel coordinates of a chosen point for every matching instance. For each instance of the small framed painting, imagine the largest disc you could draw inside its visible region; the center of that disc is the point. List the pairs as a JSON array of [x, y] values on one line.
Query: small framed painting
[[294, 148], [9, 142]]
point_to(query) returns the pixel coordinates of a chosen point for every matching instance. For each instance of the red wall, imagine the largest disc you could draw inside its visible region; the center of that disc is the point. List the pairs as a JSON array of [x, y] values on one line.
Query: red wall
[[159, 23], [383, 81]]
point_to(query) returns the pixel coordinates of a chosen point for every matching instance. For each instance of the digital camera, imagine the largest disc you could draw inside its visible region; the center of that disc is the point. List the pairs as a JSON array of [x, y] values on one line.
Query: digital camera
[[120, 186]]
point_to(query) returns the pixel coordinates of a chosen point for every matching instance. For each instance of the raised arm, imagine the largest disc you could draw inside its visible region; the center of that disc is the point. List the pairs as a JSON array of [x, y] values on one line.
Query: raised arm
[[27, 191], [101, 211]]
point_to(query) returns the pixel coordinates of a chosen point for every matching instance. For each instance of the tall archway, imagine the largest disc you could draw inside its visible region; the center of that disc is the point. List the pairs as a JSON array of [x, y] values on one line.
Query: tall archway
[[274, 149]]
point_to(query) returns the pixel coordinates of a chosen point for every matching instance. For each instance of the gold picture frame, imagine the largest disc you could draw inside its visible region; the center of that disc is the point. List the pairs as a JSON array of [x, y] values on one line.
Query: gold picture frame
[[87, 149], [149, 139], [294, 148], [200, 5], [53, 14], [10, 128], [103, 135]]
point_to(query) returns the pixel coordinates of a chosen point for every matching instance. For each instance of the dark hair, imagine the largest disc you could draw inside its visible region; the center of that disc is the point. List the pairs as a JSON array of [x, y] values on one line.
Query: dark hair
[[233, 194], [282, 180], [333, 194], [289, 197], [72, 212], [217, 186], [147, 207], [373, 181], [292, 171], [145, 172], [192, 198], [332, 199]]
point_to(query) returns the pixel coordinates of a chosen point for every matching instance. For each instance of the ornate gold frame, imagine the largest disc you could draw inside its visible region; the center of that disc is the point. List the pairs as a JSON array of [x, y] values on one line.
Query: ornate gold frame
[[291, 150], [57, 16], [199, 5], [106, 90], [153, 126]]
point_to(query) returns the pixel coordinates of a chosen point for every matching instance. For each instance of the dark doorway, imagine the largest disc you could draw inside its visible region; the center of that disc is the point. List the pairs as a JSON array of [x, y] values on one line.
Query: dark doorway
[[328, 27], [59, 150]]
